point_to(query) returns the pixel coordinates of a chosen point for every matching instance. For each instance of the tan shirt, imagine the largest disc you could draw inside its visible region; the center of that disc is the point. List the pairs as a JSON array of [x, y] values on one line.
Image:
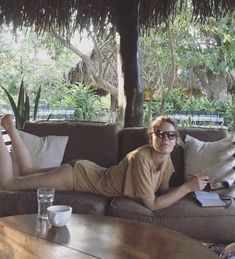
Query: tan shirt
[[135, 176]]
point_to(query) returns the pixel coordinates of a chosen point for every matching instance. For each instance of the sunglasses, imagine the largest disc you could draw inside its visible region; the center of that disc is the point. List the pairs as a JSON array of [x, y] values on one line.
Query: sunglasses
[[162, 134]]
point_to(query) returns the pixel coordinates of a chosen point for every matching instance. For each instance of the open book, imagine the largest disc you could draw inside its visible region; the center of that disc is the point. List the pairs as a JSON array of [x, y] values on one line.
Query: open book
[[209, 199]]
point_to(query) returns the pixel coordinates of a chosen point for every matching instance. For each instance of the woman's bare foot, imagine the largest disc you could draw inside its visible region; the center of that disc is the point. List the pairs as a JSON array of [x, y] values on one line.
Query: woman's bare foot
[[6, 121]]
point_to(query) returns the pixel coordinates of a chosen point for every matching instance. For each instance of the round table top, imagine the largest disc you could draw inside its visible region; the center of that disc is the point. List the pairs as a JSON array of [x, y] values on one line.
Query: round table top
[[88, 236]]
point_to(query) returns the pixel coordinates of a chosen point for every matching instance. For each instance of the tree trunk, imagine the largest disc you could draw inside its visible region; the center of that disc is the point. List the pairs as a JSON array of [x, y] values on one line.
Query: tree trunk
[[130, 88], [172, 73], [214, 86]]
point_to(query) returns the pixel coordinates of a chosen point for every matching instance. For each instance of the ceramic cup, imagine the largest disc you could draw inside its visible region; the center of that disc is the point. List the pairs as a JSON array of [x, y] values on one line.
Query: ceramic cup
[[59, 215]]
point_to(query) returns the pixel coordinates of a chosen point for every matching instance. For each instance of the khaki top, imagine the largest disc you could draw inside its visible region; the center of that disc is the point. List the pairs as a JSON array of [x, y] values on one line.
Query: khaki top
[[135, 176]]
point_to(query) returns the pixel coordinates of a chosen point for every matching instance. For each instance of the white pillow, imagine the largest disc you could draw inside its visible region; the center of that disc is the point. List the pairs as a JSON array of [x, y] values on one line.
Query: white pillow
[[214, 158], [46, 151]]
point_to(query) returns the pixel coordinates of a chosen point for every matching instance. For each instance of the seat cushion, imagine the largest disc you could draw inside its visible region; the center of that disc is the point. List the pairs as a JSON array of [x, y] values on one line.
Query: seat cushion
[[83, 202], [25, 202], [186, 216]]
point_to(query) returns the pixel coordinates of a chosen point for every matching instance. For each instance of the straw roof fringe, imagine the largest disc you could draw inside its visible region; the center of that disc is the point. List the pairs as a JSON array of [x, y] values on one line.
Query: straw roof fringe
[[81, 14]]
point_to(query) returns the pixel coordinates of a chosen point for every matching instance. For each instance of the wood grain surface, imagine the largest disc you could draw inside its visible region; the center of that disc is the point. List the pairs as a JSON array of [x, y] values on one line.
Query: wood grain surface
[[87, 236]]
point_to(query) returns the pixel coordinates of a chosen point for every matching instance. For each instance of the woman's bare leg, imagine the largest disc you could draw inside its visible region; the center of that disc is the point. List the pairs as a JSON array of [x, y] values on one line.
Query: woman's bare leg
[[23, 157], [6, 169], [60, 178]]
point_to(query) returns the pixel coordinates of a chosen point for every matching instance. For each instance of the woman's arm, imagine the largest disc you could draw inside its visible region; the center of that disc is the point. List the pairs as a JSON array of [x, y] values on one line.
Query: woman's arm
[[196, 183]]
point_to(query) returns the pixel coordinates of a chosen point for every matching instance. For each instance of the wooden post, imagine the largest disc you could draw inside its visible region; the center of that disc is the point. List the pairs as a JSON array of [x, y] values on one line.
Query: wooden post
[[130, 88]]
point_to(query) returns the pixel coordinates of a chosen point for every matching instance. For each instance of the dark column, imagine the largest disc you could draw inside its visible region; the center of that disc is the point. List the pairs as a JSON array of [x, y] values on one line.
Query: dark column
[[130, 88]]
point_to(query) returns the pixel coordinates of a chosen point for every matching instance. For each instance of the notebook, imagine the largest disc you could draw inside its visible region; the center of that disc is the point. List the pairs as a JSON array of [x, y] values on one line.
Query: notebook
[[209, 199]]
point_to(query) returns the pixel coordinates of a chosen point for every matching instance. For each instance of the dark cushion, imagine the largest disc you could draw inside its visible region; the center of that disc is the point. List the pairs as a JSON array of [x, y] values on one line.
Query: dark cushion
[[186, 216], [83, 202], [17, 202], [130, 139], [97, 142], [25, 202]]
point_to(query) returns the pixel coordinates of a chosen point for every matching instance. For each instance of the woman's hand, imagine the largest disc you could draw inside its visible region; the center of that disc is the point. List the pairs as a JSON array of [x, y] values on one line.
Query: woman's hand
[[198, 182]]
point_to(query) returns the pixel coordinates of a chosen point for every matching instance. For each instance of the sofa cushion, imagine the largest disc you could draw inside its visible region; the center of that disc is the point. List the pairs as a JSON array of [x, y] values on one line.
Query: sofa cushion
[[216, 158], [17, 202], [134, 137], [25, 202], [204, 134], [46, 151], [97, 142], [185, 216], [83, 202], [130, 139]]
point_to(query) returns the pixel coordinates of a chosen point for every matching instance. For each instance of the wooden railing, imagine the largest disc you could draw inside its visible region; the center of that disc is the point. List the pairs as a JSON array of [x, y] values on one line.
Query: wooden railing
[[200, 119]]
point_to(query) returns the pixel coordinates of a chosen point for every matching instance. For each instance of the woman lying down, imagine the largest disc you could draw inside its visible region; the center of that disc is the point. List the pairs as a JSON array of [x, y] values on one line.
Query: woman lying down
[[139, 175]]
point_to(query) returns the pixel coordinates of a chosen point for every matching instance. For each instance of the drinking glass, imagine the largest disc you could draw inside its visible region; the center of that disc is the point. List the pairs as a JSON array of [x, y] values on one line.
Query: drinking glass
[[45, 197]]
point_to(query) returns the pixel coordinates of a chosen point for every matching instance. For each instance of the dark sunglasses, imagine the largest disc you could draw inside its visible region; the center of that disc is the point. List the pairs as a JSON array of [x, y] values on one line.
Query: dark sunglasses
[[162, 134]]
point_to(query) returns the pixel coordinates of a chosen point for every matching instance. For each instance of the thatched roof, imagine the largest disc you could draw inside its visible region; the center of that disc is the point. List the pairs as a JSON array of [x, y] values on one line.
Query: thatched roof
[[81, 13]]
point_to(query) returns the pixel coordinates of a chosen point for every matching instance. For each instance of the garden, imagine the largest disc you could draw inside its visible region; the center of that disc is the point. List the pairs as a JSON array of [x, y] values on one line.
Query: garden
[[187, 69]]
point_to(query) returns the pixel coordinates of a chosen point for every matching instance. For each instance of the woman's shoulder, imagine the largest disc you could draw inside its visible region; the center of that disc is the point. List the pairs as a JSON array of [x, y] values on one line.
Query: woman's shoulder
[[142, 151]]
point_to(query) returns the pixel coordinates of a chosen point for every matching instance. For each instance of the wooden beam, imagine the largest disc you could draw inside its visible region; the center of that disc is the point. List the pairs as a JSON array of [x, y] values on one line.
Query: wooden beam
[[129, 85]]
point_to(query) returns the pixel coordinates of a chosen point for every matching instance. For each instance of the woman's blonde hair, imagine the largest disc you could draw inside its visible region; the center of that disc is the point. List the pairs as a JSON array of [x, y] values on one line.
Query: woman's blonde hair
[[157, 123]]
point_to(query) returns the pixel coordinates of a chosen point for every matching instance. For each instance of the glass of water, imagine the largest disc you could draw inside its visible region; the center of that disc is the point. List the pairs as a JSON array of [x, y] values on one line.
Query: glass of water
[[45, 197]]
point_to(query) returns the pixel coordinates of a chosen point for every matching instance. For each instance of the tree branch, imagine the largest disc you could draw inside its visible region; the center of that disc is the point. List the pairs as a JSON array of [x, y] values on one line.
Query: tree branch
[[100, 82]]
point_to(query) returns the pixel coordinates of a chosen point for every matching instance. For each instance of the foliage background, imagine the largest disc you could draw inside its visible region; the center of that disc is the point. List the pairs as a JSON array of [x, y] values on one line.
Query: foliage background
[[189, 66]]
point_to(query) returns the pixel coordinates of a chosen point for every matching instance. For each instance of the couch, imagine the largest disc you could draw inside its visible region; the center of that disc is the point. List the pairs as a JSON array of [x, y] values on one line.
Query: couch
[[106, 144]]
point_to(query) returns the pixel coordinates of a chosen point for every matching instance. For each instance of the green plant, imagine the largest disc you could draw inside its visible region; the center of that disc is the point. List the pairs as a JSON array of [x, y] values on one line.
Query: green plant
[[87, 103], [22, 108], [177, 99], [230, 113]]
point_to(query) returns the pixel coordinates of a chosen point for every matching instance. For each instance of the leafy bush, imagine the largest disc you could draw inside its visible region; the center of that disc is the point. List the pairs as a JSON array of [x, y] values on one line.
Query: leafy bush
[[178, 102], [86, 102], [176, 99]]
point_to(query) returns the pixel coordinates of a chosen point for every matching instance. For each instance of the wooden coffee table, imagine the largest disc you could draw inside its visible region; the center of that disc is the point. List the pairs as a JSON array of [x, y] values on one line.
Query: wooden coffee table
[[87, 236]]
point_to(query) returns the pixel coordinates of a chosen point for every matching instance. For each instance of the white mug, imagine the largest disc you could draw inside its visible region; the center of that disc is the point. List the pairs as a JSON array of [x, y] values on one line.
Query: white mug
[[59, 215]]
